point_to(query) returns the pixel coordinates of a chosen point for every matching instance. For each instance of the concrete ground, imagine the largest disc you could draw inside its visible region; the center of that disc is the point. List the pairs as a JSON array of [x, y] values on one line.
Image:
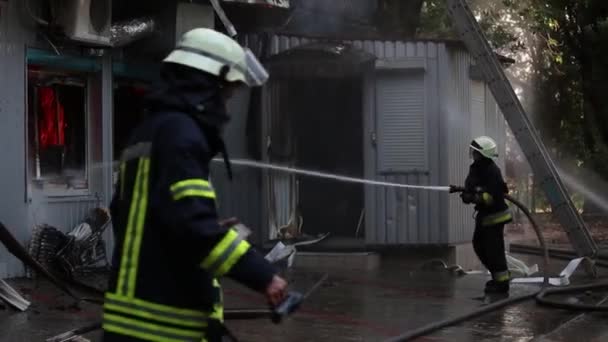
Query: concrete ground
[[350, 306]]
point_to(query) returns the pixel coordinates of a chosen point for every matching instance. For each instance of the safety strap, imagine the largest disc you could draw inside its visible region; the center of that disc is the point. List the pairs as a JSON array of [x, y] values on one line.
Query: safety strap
[[497, 218], [225, 254]]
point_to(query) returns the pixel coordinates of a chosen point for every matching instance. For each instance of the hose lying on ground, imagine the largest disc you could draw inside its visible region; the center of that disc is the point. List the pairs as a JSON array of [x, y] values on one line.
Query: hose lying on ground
[[539, 296]]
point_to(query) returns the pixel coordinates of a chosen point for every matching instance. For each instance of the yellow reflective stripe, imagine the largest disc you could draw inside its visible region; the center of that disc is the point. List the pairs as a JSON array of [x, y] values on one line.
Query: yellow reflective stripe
[[218, 308], [155, 327], [232, 259], [192, 188], [139, 227], [501, 276], [194, 193], [487, 198], [153, 316], [220, 248], [225, 254], [134, 232], [167, 331], [497, 218], [157, 307], [189, 182], [218, 313], [130, 230]]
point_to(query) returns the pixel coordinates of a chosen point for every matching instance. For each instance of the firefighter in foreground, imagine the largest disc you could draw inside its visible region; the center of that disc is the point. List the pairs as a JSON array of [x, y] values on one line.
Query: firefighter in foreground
[[170, 249], [485, 187]]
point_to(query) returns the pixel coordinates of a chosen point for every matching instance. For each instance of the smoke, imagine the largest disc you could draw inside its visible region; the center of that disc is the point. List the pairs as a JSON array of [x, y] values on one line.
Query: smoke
[[330, 18], [587, 185]]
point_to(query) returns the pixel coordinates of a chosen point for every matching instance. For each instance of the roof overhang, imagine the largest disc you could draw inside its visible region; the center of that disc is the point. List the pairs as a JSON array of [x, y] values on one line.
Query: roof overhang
[[324, 59]]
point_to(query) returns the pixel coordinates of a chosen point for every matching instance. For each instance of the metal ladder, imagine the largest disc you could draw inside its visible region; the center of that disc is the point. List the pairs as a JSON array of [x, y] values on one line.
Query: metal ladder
[[471, 34]]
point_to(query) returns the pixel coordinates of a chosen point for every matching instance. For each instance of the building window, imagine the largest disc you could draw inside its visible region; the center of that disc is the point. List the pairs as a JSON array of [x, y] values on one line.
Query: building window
[[57, 126]]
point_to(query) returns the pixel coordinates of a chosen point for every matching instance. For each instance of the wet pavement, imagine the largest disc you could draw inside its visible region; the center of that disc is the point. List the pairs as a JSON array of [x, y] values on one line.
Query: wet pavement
[[349, 306]]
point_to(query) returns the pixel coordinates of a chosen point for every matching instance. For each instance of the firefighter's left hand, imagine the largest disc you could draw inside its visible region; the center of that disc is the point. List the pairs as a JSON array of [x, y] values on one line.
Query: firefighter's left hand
[[276, 290]]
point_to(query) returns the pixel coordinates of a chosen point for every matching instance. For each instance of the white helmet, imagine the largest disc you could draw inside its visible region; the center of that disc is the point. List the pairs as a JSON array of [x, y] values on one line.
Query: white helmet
[[209, 51], [486, 146]]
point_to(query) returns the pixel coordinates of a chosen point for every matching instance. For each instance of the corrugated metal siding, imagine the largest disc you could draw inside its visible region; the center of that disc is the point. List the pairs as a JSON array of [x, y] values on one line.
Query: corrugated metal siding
[[63, 214], [16, 212], [280, 184], [12, 131], [496, 126], [240, 197], [401, 115], [478, 109], [399, 216], [458, 115], [393, 217], [408, 216]]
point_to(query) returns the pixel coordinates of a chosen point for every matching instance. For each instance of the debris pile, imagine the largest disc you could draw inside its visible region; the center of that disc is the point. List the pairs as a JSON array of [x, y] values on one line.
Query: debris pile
[[79, 252]]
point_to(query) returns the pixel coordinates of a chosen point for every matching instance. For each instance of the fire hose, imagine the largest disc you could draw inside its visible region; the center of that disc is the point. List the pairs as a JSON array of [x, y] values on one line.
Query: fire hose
[[294, 299], [539, 296]]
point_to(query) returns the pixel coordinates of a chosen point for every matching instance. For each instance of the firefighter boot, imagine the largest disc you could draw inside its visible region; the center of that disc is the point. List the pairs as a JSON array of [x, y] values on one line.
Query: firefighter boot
[[499, 283]]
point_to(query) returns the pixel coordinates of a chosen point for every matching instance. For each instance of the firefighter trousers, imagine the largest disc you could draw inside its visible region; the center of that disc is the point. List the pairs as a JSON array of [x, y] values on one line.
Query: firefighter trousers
[[489, 245]]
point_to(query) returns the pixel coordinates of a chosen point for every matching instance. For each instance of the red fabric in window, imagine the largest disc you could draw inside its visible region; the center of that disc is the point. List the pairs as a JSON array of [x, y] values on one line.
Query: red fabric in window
[[52, 123]]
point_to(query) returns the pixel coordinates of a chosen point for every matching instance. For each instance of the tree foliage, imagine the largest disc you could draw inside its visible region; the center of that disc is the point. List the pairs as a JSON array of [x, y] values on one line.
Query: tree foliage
[[561, 48]]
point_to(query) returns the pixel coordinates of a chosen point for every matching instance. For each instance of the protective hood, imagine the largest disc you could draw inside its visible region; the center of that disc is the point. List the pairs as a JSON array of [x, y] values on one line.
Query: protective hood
[[196, 94]]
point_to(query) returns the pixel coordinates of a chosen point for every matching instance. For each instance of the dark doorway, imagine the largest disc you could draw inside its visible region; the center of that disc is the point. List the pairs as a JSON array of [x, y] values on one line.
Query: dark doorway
[[328, 126]]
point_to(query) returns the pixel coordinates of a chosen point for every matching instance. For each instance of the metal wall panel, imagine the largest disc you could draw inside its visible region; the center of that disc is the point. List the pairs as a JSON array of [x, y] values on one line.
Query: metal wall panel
[[478, 109], [496, 126], [409, 216], [22, 207], [240, 197], [63, 214], [458, 115], [13, 207], [401, 115]]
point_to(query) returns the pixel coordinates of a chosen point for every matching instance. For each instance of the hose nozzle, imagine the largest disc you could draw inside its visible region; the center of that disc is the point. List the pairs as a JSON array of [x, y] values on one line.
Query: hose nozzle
[[456, 188]]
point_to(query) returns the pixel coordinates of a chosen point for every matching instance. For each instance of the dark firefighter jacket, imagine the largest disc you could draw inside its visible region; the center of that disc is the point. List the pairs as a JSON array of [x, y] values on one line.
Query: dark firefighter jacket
[[170, 250], [486, 185]]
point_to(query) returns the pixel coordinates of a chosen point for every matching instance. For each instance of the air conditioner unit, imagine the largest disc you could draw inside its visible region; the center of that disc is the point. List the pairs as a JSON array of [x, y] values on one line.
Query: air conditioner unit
[[86, 21]]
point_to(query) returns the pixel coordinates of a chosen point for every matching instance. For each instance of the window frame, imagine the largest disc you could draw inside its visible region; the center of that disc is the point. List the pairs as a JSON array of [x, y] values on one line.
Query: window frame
[[88, 70]]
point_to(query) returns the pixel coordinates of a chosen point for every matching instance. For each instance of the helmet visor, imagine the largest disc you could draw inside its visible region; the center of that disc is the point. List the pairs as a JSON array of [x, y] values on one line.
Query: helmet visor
[[257, 75]]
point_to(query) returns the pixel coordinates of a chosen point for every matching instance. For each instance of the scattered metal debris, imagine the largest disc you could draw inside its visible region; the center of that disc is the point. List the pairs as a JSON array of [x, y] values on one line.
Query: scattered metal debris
[[284, 252], [85, 250], [44, 245], [80, 251], [562, 280], [12, 297], [74, 335]]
